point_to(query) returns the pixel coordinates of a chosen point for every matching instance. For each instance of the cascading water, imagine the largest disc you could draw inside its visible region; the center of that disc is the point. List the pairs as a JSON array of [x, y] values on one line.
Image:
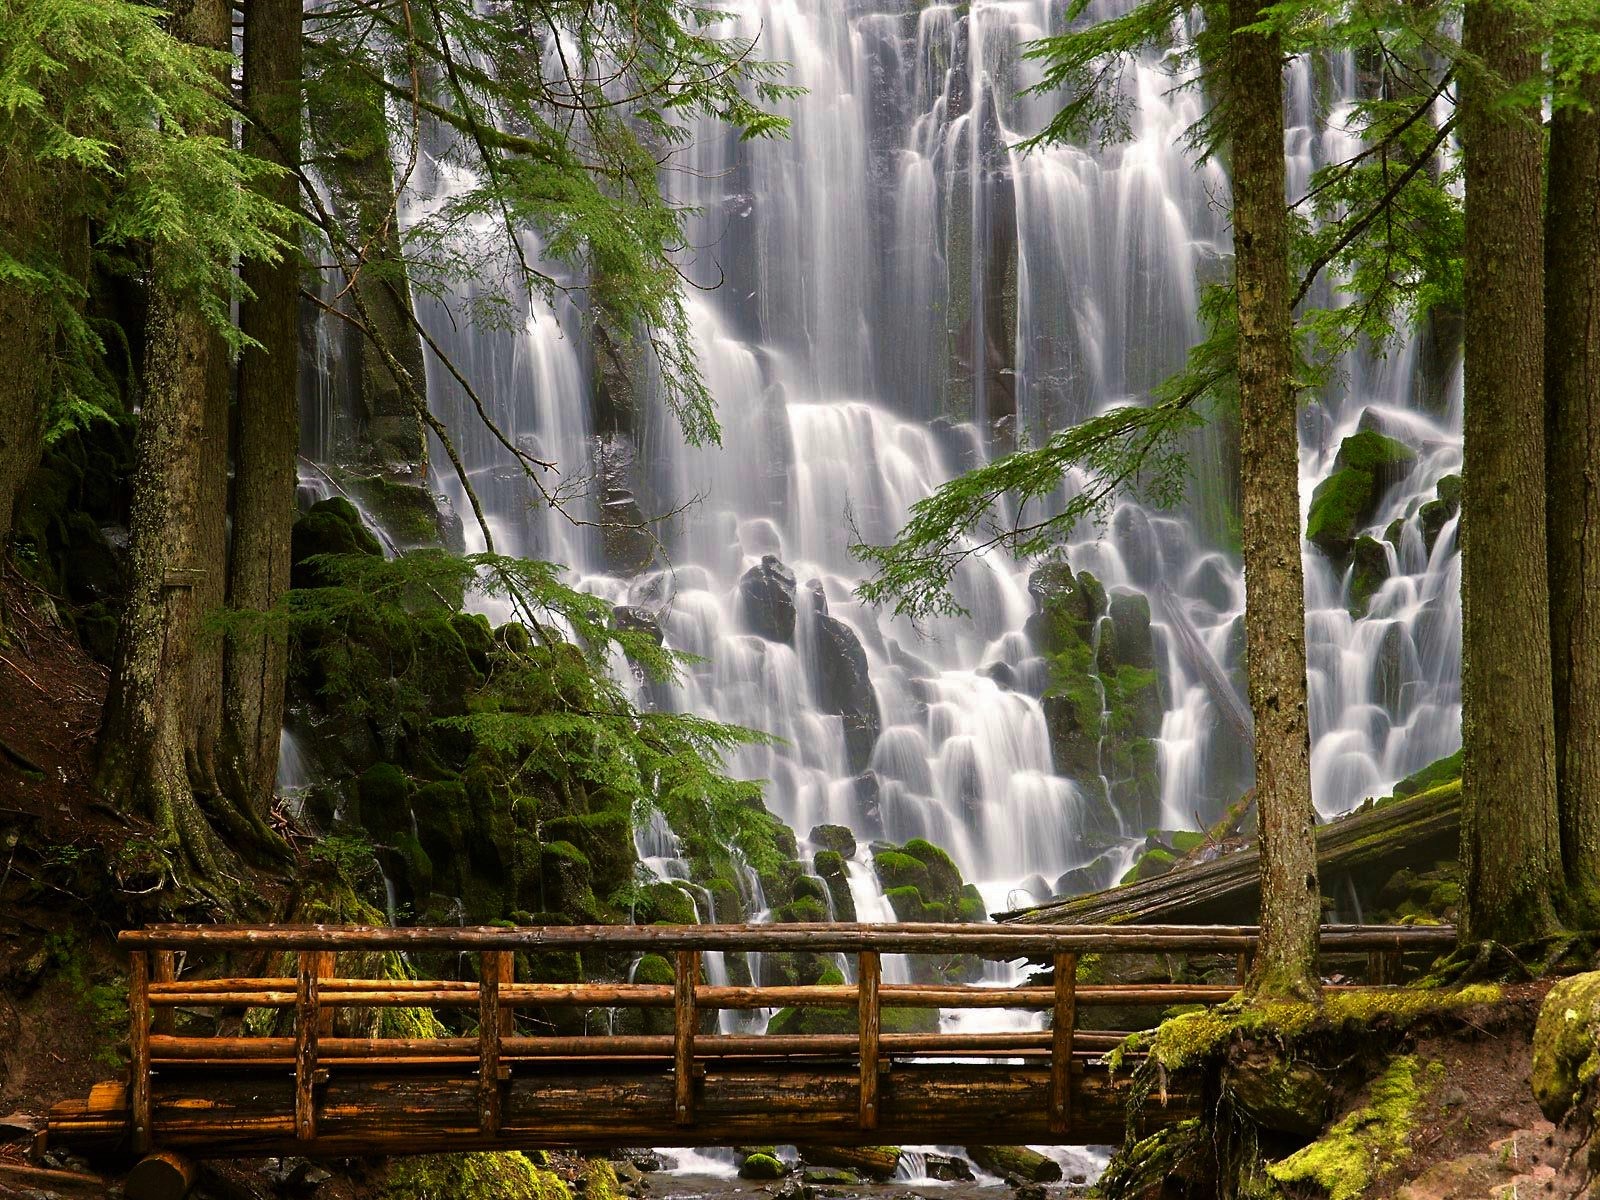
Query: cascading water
[[892, 269], [904, 293]]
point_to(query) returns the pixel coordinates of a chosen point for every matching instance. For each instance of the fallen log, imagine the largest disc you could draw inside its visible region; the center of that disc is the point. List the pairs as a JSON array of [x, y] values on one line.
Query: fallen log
[[1374, 840]]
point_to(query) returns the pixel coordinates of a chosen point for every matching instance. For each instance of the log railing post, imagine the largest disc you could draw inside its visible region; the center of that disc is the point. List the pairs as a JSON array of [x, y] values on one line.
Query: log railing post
[[307, 1024], [684, 1020], [489, 965], [508, 974], [327, 968], [869, 972], [163, 969], [1064, 1023], [139, 1048]]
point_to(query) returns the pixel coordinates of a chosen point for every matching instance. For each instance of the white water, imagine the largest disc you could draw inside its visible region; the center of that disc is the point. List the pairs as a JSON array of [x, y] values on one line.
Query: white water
[[894, 261]]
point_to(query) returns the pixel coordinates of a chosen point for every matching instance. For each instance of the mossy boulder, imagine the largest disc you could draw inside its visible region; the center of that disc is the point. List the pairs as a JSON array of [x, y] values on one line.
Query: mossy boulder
[[897, 869], [1016, 1162], [762, 1166], [944, 877], [606, 839], [383, 793], [1433, 516], [843, 1020], [507, 1175], [1566, 1044], [1153, 862], [330, 526], [1367, 463], [664, 903], [1440, 771], [1369, 569], [829, 865], [834, 837]]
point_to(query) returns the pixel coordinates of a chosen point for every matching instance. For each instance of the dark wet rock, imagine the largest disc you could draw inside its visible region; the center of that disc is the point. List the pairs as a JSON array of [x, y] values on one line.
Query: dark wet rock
[[1438, 512], [638, 620], [766, 600], [1135, 540], [829, 866], [1091, 877], [625, 539], [911, 664], [1003, 675], [834, 837], [1212, 581], [1369, 569], [844, 687], [1129, 636], [957, 442], [868, 790], [947, 1168], [412, 514], [331, 527], [817, 596]]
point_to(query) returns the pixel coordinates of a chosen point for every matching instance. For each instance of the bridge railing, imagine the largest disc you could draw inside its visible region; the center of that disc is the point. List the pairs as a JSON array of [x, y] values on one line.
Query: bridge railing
[[315, 993]]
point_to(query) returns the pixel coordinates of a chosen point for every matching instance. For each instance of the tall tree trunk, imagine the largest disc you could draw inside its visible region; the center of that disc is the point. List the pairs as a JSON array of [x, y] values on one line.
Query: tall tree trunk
[[24, 333], [1510, 846], [1572, 409], [163, 709], [1275, 626], [268, 425]]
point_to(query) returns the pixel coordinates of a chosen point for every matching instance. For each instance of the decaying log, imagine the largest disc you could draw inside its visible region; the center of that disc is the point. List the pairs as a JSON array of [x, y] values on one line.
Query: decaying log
[[1422, 828], [875, 1162], [161, 1176]]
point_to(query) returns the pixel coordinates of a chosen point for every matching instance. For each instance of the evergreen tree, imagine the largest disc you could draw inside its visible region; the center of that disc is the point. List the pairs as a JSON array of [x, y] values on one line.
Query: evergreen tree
[[1572, 415], [1510, 841], [1291, 901], [268, 424]]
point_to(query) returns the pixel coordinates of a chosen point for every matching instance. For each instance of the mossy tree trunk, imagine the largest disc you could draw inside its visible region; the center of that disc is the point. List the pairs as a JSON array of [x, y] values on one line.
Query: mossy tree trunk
[[24, 330], [1510, 844], [268, 428], [1291, 900], [1572, 413], [163, 711]]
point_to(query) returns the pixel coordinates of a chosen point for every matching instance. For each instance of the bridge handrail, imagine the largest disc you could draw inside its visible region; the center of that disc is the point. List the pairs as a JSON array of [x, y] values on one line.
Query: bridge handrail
[[316, 991], [1000, 941]]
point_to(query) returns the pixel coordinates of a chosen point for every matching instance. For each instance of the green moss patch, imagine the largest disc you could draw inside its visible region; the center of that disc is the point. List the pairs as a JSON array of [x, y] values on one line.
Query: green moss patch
[[1566, 1044], [1368, 1142]]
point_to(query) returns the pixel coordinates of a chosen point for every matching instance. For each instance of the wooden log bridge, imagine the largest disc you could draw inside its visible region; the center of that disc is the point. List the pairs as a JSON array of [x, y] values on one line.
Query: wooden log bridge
[[495, 1080]]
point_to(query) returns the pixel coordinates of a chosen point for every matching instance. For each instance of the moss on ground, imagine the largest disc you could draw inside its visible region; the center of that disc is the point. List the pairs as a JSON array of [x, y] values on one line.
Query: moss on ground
[[499, 1176], [1367, 1143], [1191, 1039]]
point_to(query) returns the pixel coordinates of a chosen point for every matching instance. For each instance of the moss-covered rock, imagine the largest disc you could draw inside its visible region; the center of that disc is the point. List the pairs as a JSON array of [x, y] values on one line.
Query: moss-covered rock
[[1279, 1093], [896, 870], [944, 877], [330, 526], [1369, 1141], [1367, 463], [606, 840], [1566, 1044], [499, 1176], [829, 865], [1369, 569], [762, 1166], [1016, 1162], [834, 837]]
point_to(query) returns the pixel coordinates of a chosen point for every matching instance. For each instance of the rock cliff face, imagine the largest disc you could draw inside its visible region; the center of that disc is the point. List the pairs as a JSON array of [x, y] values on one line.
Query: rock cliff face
[[1102, 702]]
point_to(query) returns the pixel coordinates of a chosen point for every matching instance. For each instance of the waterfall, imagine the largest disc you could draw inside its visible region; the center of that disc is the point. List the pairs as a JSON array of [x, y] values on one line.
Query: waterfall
[[894, 293]]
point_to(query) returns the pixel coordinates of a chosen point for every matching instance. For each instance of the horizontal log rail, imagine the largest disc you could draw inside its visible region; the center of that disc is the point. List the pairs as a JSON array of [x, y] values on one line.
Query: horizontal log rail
[[311, 1088]]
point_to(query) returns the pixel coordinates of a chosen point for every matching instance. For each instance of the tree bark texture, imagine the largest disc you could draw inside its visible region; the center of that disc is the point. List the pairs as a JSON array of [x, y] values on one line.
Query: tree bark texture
[[1510, 844], [1291, 900], [24, 334], [1572, 410], [268, 425], [163, 709]]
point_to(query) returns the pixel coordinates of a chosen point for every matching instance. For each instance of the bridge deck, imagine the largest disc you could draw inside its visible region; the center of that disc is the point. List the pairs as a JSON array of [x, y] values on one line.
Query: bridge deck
[[311, 1087]]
